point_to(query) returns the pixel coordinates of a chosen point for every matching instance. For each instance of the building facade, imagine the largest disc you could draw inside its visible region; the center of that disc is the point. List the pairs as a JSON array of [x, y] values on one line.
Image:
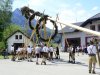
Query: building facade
[[18, 39], [78, 38]]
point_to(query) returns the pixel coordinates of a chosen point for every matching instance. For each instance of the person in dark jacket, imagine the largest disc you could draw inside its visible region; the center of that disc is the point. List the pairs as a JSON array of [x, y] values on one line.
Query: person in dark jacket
[[57, 53], [73, 54]]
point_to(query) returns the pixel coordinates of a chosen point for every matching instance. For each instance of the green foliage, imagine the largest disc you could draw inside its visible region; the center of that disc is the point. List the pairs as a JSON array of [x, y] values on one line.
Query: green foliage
[[1, 57], [6, 33], [10, 29], [2, 46], [5, 15], [6, 5], [5, 11]]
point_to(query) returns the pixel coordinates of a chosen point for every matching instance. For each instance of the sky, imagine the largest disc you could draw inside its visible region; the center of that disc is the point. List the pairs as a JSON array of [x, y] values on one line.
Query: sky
[[70, 11]]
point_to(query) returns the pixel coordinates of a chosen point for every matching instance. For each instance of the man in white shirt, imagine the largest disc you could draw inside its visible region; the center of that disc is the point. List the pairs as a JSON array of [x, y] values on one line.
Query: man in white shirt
[[37, 53], [92, 57], [19, 53], [13, 53], [24, 52], [51, 50], [70, 49], [78, 49], [45, 54], [29, 50], [12, 48]]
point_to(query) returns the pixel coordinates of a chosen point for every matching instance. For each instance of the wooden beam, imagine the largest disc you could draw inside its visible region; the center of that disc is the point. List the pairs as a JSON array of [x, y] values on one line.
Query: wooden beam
[[79, 28]]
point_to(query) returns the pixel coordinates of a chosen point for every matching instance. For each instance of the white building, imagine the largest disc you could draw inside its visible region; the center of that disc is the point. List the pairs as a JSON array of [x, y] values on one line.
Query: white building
[[17, 39], [77, 37]]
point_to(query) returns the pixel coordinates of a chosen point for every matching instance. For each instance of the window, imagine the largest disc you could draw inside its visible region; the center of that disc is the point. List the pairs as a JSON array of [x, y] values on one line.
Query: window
[[20, 36], [99, 27], [16, 36], [92, 27]]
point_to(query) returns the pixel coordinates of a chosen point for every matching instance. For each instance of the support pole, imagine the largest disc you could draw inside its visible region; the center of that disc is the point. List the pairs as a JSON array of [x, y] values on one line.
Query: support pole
[[64, 36], [45, 34], [31, 36]]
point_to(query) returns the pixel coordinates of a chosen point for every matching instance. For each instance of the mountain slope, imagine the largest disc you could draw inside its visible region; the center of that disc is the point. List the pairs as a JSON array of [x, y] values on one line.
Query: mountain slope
[[18, 19]]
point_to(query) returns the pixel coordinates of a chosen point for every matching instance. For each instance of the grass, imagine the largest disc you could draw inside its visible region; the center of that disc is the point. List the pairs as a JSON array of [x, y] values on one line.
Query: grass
[[2, 57]]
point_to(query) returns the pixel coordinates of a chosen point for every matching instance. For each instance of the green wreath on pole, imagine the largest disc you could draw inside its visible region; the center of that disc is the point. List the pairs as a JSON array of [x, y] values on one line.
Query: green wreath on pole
[[45, 18]]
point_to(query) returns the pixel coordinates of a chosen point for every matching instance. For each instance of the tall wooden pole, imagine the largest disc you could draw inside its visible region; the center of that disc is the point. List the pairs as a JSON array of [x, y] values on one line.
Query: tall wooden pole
[[79, 28]]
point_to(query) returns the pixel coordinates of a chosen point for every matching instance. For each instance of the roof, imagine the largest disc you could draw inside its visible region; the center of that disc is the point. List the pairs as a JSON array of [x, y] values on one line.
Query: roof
[[20, 32], [69, 29], [82, 24], [95, 16]]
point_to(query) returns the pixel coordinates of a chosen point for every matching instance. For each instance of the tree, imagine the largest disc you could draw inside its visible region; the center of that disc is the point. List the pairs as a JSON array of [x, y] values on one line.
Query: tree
[[6, 33], [10, 29], [5, 15], [2, 46]]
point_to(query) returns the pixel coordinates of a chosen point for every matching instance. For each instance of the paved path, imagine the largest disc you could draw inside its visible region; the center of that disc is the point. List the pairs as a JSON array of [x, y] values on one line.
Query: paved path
[[57, 67]]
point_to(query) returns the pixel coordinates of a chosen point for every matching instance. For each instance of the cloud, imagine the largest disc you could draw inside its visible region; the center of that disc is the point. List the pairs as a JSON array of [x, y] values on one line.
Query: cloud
[[31, 3], [78, 4], [36, 2], [19, 4], [81, 12], [68, 13], [95, 8]]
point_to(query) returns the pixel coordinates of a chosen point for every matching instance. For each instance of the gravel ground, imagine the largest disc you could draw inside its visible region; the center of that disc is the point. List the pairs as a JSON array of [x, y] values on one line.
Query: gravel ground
[[56, 67]]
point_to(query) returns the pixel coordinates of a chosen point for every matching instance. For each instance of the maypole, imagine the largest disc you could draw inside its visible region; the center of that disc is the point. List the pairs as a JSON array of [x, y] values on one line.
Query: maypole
[[78, 28], [44, 20]]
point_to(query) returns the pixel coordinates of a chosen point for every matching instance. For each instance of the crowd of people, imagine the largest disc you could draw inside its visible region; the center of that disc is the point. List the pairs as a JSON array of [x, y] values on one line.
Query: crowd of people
[[39, 51], [48, 53]]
